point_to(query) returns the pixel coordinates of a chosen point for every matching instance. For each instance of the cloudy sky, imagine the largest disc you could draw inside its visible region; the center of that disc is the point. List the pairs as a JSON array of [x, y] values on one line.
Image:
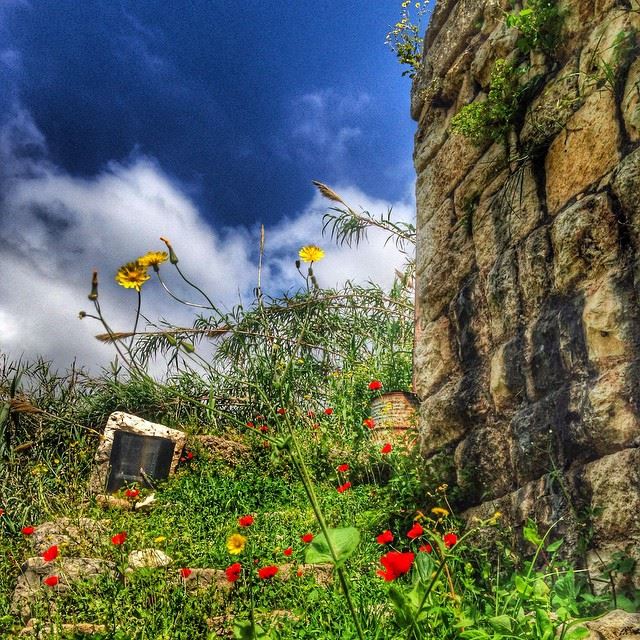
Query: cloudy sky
[[198, 120]]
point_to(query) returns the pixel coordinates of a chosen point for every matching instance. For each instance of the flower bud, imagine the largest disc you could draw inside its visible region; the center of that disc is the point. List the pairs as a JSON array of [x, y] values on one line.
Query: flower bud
[[94, 287], [187, 346], [173, 258], [82, 314], [297, 264]]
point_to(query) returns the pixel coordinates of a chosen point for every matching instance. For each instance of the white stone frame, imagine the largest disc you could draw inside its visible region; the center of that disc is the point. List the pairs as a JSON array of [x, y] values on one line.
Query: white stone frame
[[120, 421]]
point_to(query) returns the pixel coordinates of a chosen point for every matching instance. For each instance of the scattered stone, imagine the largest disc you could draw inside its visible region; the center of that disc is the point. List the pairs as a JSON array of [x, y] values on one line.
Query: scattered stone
[[134, 450], [230, 451], [72, 535], [146, 503], [68, 570], [617, 625], [203, 579], [111, 502], [37, 629], [148, 559]]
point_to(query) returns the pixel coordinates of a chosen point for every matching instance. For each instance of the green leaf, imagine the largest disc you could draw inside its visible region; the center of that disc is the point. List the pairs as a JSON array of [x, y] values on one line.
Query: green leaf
[[344, 542], [501, 623], [242, 630], [525, 12], [554, 546], [531, 535]]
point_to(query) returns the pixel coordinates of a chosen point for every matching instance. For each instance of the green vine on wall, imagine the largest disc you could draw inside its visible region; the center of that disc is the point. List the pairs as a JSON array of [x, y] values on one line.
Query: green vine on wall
[[490, 120]]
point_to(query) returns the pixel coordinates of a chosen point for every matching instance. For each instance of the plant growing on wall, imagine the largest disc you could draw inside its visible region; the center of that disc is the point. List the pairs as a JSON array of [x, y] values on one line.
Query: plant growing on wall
[[406, 37]]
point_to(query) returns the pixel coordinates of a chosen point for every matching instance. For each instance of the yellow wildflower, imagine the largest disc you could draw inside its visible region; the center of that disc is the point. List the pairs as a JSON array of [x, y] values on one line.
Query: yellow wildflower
[[132, 275], [439, 511], [159, 539], [153, 259], [236, 543], [311, 253]]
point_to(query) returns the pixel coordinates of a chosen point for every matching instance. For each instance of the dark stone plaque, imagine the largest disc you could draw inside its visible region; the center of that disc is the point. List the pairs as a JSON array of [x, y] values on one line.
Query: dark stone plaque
[[132, 453]]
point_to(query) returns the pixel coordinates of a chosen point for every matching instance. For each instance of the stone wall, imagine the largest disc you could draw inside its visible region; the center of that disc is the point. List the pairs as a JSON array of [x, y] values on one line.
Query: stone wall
[[527, 323]]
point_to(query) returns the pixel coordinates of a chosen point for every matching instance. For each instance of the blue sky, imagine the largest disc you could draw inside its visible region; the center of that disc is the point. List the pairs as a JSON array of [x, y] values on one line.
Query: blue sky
[[121, 120]]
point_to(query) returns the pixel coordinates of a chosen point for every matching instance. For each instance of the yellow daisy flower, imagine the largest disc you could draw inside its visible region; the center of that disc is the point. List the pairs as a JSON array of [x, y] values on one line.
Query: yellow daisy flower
[[153, 259], [236, 543], [439, 511], [311, 253], [132, 275]]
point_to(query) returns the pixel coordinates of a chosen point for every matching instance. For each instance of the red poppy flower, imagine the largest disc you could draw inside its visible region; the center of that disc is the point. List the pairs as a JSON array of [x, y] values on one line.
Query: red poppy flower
[[396, 563], [1, 512], [315, 426], [28, 531], [311, 414], [299, 572], [245, 521], [267, 572], [250, 425], [263, 428], [119, 538], [343, 487], [132, 493], [343, 468], [425, 548], [51, 581], [233, 572], [50, 554], [183, 459], [281, 411], [385, 537], [449, 539], [370, 423], [374, 385], [185, 573], [328, 411], [386, 448], [258, 418], [189, 455], [288, 551], [415, 532], [307, 538]]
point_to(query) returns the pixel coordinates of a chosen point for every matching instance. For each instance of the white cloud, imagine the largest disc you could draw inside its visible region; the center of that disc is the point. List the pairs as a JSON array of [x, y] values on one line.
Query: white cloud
[[55, 228]]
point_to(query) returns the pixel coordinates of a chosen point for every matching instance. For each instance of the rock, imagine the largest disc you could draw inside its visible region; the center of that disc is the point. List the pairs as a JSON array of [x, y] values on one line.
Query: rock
[[506, 380], [535, 266], [585, 241], [617, 625], [585, 151], [434, 349], [146, 504], [500, 43], [503, 297], [204, 579], [111, 502], [69, 570], [607, 317], [230, 451], [148, 559], [72, 535], [631, 102], [37, 629]]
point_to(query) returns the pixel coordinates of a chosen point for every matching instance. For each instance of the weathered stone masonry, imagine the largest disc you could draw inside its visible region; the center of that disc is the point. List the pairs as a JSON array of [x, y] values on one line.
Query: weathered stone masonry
[[527, 324]]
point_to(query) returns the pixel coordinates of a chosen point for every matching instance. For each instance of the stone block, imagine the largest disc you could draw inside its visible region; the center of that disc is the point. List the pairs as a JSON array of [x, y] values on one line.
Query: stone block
[[479, 178], [147, 559], [626, 188], [503, 297], [609, 320], [584, 152], [500, 43], [445, 44], [430, 136], [445, 171], [435, 359], [506, 380], [605, 50], [224, 450], [615, 625], [434, 235], [535, 267], [547, 115], [585, 241], [122, 424], [611, 416], [444, 417], [72, 535], [439, 280], [483, 464], [30, 583], [614, 484], [631, 102]]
